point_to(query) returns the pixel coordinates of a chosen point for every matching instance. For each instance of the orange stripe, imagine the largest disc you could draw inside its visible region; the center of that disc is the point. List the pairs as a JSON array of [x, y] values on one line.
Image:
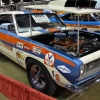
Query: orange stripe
[[43, 50], [37, 11], [60, 12], [84, 26], [65, 60]]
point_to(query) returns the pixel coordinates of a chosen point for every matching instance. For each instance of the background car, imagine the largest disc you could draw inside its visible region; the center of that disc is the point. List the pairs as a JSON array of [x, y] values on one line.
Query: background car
[[90, 22]]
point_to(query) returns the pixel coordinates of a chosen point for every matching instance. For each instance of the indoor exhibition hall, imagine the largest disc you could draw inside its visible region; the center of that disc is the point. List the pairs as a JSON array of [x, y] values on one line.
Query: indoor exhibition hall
[[49, 49]]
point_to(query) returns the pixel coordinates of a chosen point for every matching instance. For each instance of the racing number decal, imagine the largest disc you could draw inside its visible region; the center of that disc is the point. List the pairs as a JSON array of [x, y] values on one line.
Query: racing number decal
[[36, 50], [49, 59]]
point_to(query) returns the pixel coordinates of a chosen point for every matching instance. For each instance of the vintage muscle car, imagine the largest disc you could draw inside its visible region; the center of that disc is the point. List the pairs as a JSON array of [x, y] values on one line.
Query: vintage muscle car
[[51, 54], [90, 22]]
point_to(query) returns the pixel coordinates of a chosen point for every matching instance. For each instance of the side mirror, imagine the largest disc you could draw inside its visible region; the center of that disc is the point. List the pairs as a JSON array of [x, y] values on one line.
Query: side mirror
[[11, 28]]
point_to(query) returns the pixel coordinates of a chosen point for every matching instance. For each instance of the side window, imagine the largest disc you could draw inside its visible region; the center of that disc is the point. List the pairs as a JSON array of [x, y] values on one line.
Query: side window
[[97, 16], [6, 22], [87, 17], [70, 17], [23, 21], [83, 17]]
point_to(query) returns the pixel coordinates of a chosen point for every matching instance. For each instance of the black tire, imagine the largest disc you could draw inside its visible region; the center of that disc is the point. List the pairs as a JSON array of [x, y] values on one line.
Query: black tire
[[43, 76]]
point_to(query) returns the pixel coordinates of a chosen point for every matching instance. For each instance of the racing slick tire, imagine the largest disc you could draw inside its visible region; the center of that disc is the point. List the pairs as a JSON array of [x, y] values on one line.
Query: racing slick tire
[[39, 77]]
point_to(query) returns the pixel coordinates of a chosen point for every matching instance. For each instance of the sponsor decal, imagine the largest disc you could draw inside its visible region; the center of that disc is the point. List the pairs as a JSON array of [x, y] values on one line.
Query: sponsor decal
[[6, 46], [56, 76], [27, 47], [19, 45], [63, 69], [49, 59], [20, 55], [36, 50]]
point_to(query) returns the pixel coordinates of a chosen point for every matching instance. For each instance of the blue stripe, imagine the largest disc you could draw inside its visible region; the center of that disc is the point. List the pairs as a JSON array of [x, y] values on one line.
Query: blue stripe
[[82, 22], [75, 71], [72, 77]]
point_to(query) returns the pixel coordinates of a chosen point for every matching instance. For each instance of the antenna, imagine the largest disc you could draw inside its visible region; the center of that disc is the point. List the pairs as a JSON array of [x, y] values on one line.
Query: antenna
[[75, 3], [90, 4], [75, 15], [89, 7]]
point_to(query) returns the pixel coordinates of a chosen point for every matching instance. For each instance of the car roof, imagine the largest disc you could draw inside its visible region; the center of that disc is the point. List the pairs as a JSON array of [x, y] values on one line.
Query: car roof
[[13, 12], [74, 3], [26, 12], [58, 5], [65, 9]]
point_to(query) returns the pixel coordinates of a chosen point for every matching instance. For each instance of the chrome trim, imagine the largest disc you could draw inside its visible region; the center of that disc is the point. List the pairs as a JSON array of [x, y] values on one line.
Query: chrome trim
[[81, 70], [85, 85], [90, 71]]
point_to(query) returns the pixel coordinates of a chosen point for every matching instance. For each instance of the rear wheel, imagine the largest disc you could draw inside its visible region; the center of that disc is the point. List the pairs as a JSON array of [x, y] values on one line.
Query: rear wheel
[[39, 77]]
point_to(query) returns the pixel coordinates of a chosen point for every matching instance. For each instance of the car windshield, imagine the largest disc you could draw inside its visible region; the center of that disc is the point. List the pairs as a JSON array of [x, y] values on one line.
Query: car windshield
[[39, 21], [97, 16]]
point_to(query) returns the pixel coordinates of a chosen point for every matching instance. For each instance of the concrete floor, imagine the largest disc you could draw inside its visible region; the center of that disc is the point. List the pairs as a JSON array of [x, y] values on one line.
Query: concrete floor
[[11, 69]]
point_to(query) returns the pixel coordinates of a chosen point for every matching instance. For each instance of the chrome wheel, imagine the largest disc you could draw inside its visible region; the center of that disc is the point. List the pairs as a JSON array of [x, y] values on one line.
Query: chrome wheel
[[37, 77]]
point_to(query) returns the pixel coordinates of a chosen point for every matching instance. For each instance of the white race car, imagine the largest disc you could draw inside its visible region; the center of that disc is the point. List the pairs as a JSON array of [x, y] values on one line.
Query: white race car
[[50, 54]]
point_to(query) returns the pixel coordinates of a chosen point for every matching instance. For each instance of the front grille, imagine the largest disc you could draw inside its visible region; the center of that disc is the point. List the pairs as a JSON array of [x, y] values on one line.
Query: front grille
[[91, 68]]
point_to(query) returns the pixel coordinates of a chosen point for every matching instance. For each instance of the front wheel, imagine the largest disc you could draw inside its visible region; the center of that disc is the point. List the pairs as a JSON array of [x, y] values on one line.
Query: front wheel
[[39, 77]]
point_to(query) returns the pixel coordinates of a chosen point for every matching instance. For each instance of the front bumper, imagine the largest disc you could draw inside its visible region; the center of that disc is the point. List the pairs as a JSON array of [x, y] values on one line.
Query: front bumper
[[84, 85]]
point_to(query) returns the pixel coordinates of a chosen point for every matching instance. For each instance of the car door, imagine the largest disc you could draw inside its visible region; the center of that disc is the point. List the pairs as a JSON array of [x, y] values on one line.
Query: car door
[[7, 36]]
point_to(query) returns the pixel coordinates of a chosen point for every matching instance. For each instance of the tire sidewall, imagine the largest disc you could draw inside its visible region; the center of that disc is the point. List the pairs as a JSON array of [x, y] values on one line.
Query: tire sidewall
[[49, 82]]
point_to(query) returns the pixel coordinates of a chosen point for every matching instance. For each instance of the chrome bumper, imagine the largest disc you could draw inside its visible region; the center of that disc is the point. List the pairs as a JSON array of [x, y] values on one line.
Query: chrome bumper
[[84, 85]]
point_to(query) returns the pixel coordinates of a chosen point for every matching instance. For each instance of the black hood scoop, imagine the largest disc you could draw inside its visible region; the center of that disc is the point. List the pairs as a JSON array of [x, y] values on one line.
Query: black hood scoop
[[80, 3]]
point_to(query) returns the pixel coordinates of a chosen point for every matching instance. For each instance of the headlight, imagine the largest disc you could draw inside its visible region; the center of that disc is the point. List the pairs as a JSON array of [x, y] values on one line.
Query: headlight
[[82, 69]]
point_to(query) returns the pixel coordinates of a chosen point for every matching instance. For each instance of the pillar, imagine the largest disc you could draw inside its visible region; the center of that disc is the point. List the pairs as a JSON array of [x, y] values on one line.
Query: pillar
[[0, 2], [21, 0]]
